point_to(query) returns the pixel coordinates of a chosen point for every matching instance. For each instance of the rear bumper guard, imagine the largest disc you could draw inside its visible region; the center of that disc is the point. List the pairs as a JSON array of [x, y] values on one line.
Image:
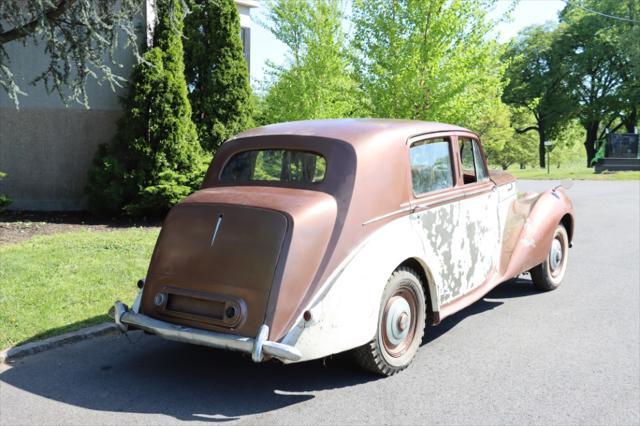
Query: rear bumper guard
[[258, 347]]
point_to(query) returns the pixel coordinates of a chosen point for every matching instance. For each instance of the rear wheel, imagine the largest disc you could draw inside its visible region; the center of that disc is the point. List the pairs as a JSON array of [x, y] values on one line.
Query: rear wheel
[[401, 323], [549, 274]]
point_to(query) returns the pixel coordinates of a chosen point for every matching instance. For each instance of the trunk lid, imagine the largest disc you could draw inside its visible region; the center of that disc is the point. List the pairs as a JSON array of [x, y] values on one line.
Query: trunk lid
[[214, 266]]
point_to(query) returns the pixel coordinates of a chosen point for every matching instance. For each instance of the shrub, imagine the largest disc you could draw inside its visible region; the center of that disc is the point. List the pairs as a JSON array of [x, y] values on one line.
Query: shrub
[[4, 200], [155, 158]]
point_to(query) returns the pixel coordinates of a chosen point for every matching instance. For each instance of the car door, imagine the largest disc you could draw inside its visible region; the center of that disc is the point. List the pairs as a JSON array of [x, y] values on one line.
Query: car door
[[435, 211], [478, 216]]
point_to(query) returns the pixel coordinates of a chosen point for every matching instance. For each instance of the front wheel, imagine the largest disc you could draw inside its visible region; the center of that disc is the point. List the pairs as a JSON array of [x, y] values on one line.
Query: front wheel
[[401, 324], [549, 274]]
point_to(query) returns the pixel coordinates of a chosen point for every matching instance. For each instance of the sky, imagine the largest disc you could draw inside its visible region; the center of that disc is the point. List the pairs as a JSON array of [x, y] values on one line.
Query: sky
[[264, 46]]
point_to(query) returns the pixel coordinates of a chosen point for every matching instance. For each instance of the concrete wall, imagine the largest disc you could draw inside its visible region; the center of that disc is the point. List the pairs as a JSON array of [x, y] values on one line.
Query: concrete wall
[[46, 153], [46, 149]]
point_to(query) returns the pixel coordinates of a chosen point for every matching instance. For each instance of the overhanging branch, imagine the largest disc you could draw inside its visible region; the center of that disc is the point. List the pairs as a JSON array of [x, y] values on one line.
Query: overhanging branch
[[527, 129], [29, 28]]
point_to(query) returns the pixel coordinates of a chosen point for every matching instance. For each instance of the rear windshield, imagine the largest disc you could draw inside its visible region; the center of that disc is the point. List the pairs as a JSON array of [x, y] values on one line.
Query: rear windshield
[[274, 165]]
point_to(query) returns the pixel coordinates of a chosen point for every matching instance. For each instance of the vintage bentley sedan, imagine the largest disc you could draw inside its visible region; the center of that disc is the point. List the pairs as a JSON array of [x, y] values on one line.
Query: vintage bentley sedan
[[317, 237]]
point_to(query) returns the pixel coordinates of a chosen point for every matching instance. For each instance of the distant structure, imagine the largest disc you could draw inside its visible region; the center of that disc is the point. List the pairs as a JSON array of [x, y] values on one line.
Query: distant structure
[[621, 153], [47, 149]]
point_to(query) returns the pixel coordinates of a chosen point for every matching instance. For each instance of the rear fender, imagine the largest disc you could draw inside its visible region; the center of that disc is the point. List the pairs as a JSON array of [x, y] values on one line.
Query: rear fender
[[532, 246], [344, 313]]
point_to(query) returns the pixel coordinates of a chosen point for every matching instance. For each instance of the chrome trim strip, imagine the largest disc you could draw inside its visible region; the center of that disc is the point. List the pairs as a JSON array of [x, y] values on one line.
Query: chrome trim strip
[[215, 231], [387, 215], [479, 191], [256, 347], [439, 201]]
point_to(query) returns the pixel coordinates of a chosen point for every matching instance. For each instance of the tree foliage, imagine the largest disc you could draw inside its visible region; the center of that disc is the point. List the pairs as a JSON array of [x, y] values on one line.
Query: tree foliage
[[537, 82], [77, 36], [428, 60], [496, 134], [155, 158], [601, 64], [518, 147], [316, 81], [567, 146], [216, 71]]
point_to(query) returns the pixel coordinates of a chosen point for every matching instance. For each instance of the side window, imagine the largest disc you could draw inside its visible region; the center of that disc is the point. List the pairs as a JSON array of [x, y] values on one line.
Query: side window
[[481, 171], [473, 169], [466, 157], [431, 165]]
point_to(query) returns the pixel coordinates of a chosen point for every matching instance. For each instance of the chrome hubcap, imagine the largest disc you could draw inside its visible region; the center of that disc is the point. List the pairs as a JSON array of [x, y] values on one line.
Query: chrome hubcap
[[398, 320], [555, 256]]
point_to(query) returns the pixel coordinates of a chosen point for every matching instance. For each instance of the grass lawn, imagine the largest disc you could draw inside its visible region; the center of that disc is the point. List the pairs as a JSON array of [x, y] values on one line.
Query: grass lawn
[[573, 171], [58, 283]]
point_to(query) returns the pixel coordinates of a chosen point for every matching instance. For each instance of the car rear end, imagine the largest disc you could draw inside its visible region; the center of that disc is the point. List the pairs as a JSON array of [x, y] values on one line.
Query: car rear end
[[233, 256]]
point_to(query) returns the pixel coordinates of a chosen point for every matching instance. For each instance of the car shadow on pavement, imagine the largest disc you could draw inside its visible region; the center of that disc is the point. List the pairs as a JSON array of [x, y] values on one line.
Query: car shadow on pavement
[[137, 373], [186, 382], [519, 287]]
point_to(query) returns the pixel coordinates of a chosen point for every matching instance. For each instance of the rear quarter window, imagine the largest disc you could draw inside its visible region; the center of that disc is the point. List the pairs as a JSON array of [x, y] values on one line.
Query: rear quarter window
[[274, 165]]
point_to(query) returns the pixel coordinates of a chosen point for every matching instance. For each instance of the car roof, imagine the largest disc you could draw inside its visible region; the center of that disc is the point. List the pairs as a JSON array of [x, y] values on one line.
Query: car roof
[[354, 131]]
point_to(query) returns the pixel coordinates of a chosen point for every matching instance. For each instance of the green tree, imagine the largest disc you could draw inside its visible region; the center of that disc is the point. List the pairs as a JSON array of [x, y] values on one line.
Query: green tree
[[429, 60], [496, 133], [601, 74], [566, 148], [316, 81], [216, 72], [536, 82], [518, 147], [76, 36], [629, 38], [155, 158]]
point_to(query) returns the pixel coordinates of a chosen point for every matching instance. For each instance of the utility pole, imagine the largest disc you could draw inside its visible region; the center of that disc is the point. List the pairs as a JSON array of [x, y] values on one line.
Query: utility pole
[[547, 147]]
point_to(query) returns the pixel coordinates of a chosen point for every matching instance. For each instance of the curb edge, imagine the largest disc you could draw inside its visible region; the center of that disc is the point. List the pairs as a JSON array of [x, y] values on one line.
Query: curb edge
[[11, 354]]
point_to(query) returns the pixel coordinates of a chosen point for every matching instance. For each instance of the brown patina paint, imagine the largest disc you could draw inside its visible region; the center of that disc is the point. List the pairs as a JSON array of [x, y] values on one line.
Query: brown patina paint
[[312, 228]]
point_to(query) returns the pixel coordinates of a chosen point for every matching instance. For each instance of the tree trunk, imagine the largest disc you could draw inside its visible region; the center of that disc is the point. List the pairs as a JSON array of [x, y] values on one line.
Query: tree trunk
[[589, 143], [631, 120], [541, 148]]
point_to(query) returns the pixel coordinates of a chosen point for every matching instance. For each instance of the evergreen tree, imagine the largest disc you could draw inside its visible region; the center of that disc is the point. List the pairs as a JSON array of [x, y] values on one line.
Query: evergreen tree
[[216, 72], [155, 158]]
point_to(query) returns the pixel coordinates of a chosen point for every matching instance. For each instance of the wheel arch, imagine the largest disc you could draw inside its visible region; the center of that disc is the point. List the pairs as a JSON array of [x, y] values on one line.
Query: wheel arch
[[567, 221], [428, 284]]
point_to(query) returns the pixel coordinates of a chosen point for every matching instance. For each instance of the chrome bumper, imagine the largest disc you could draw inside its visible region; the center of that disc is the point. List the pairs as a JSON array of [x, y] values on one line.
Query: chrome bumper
[[257, 347]]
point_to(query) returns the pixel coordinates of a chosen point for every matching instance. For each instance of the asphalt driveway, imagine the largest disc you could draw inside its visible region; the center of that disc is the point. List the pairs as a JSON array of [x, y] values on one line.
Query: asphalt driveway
[[571, 356]]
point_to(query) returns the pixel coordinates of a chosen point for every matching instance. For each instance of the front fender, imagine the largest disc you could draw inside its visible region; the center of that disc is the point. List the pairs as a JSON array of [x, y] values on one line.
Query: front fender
[[541, 219]]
